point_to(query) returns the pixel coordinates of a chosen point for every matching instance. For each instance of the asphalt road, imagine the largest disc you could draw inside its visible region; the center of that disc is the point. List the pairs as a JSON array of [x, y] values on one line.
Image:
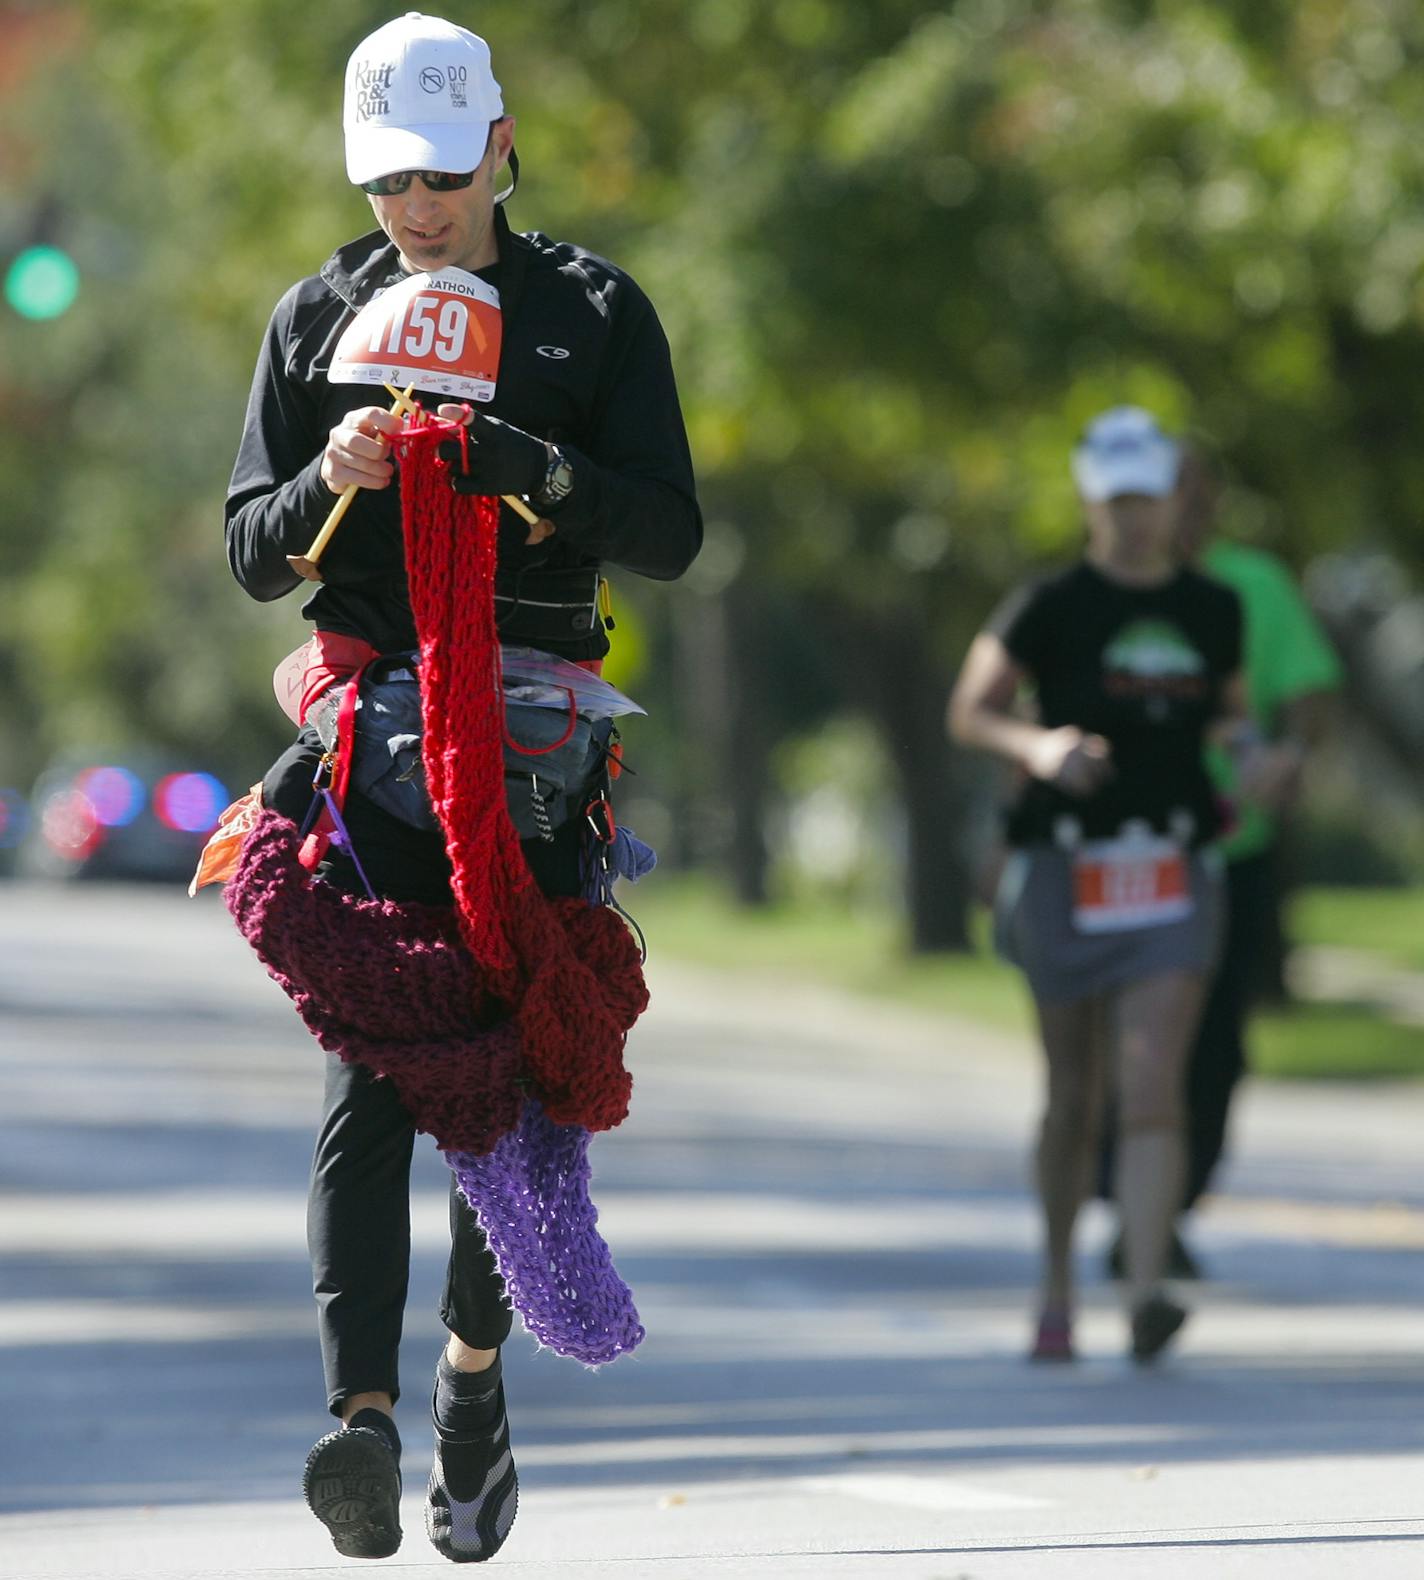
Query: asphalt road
[[822, 1209]]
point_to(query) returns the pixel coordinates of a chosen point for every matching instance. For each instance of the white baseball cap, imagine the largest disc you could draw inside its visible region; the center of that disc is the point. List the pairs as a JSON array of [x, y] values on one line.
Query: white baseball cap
[[1125, 452], [419, 96]]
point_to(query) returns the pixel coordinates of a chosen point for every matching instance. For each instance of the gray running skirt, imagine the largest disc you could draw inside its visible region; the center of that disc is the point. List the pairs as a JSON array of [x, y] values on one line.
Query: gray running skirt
[[1033, 929]]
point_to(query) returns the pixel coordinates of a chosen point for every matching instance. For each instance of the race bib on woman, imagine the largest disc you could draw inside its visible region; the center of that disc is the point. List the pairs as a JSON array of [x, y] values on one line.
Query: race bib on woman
[[1123, 884]]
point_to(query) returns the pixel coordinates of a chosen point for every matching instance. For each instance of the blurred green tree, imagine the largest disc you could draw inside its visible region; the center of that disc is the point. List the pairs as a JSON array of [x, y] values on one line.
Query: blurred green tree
[[903, 253]]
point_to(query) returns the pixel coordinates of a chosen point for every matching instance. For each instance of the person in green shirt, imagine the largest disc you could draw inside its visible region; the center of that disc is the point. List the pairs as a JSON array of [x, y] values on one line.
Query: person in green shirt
[[1291, 671]]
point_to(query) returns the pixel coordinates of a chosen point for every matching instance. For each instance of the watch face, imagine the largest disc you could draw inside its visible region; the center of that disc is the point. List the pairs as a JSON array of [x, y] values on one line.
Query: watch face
[[560, 479]]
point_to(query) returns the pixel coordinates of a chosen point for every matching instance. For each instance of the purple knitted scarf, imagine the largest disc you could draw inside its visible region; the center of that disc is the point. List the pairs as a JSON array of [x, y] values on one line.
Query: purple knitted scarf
[[531, 1195]]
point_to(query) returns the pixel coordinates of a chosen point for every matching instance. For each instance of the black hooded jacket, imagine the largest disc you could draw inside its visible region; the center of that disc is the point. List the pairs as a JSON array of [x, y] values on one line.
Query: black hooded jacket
[[583, 362]]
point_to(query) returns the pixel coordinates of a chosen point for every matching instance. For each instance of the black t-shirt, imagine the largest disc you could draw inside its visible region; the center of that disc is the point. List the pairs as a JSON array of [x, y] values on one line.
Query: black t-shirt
[[1142, 666]]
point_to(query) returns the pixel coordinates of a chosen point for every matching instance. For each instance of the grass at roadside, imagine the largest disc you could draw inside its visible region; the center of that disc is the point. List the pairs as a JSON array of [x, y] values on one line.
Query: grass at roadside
[[1384, 922], [861, 951], [1334, 1041]]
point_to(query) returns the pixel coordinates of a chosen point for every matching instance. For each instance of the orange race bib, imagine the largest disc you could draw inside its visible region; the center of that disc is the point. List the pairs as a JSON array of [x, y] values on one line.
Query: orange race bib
[[1122, 884], [440, 332]]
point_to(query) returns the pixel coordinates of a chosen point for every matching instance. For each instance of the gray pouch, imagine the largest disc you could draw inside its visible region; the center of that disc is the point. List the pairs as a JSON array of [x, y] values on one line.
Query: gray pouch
[[386, 765], [550, 755], [548, 765]]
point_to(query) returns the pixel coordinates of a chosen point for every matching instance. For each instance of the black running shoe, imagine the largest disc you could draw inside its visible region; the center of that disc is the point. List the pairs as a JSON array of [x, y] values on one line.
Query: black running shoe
[[474, 1491], [1154, 1324], [353, 1486]]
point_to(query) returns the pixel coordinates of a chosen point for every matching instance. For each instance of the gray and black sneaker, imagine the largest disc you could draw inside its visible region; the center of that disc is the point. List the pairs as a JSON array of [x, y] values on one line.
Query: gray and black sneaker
[[353, 1486], [474, 1491]]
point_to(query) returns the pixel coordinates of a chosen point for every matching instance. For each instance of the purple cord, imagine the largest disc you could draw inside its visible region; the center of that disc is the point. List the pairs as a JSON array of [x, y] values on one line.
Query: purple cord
[[341, 838]]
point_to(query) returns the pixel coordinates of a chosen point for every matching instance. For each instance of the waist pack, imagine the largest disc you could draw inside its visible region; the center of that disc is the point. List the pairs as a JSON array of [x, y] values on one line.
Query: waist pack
[[553, 751]]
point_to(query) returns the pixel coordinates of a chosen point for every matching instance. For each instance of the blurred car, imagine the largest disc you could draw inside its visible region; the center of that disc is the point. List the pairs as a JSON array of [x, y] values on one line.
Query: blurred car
[[139, 819], [14, 821]]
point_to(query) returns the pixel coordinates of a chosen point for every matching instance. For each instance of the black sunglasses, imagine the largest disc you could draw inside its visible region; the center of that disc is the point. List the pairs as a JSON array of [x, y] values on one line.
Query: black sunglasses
[[436, 180]]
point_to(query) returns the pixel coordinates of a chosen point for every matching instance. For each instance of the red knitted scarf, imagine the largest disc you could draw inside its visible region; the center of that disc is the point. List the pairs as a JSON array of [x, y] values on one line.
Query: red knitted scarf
[[567, 972]]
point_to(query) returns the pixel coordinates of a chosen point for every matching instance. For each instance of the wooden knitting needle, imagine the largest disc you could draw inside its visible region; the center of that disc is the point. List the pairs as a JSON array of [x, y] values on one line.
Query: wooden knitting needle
[[305, 565]]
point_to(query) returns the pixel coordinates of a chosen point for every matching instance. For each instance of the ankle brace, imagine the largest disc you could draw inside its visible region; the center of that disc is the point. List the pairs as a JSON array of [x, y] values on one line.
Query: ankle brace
[[466, 1401]]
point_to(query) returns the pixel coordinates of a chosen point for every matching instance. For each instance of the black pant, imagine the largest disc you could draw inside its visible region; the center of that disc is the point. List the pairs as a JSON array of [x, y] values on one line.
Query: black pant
[[1218, 1056], [358, 1207]]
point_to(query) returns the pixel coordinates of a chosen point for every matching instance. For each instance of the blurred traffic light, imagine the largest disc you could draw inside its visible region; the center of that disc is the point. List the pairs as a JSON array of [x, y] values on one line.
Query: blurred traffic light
[[41, 282]]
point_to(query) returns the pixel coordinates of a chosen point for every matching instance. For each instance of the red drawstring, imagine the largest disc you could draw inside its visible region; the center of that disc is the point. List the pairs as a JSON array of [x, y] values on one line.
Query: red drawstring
[[539, 751]]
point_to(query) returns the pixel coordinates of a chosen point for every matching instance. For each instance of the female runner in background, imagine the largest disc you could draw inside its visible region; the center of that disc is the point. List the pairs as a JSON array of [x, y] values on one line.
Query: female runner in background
[[1110, 900]]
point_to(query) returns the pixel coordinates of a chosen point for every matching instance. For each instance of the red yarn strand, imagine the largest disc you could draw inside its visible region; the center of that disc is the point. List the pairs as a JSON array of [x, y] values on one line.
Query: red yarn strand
[[567, 971]]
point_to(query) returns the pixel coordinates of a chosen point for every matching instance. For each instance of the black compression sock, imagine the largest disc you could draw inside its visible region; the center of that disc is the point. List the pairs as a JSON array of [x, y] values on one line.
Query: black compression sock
[[380, 1422], [466, 1401]]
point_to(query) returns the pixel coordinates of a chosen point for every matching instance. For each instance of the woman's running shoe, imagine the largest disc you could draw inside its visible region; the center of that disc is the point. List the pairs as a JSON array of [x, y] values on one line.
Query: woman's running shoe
[[1154, 1324], [1054, 1341]]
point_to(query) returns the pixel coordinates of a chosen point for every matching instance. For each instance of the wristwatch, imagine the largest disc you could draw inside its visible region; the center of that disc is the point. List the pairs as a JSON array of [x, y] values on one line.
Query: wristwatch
[[558, 481]]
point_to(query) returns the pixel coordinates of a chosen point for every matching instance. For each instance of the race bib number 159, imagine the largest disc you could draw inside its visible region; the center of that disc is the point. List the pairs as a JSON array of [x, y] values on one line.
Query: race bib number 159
[[440, 332]]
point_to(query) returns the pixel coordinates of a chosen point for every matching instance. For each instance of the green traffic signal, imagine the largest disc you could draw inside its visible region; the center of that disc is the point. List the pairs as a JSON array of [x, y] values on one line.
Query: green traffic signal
[[42, 282]]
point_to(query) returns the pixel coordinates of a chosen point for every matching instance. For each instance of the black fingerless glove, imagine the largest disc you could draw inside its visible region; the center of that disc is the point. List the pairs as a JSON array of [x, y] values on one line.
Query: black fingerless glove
[[502, 459]]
